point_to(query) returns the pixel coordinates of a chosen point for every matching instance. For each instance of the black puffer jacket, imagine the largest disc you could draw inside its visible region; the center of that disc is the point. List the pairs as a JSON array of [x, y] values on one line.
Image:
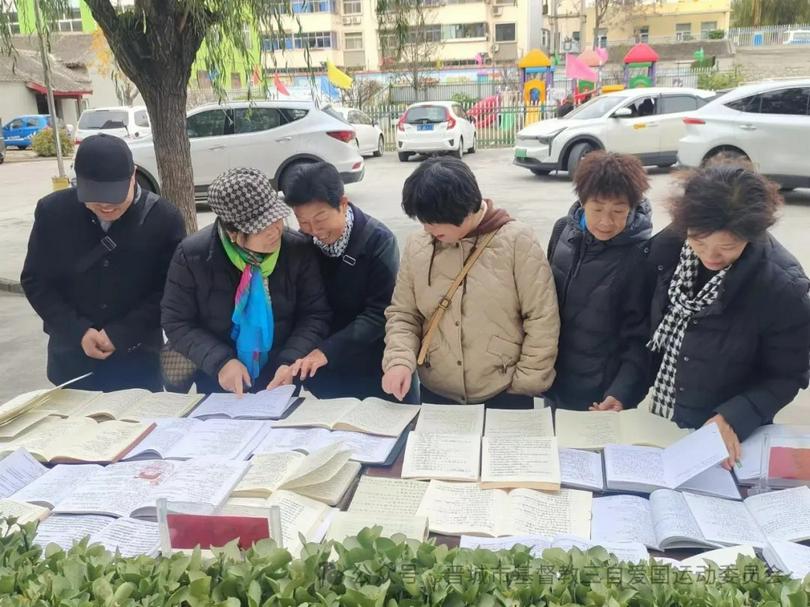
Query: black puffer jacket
[[199, 297], [603, 312], [747, 355]]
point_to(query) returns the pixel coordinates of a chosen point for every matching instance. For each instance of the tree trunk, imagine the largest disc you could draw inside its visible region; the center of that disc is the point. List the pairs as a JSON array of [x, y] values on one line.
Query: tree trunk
[[166, 104]]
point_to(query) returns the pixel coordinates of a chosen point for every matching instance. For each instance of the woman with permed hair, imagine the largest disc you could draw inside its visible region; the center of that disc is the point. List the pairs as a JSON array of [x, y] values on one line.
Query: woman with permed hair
[[730, 310], [595, 253]]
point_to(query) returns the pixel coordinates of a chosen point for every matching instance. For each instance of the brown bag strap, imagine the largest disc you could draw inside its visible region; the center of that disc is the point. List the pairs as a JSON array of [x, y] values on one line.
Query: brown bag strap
[[438, 313]]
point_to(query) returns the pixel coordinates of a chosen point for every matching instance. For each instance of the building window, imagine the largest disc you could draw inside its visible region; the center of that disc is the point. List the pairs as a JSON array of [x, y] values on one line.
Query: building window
[[643, 34], [504, 32], [71, 19], [203, 79], [236, 81], [352, 7], [313, 6], [601, 38], [353, 41], [464, 31], [706, 27], [683, 31], [311, 40], [13, 19]]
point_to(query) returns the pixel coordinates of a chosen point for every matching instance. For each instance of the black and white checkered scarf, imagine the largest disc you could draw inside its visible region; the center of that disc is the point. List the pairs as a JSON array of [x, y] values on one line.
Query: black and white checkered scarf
[[337, 248], [668, 337]]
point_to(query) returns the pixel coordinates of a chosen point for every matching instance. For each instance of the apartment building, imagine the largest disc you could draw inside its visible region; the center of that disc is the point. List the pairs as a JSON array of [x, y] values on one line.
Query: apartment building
[[460, 32], [646, 21]]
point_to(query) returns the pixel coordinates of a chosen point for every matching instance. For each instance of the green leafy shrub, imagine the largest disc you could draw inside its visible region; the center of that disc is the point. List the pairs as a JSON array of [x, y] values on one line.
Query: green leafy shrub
[[463, 99], [44, 142], [717, 34], [717, 81], [371, 571]]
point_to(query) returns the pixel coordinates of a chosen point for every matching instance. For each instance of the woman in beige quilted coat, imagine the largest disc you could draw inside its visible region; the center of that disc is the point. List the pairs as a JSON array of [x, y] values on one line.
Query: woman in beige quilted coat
[[496, 342]]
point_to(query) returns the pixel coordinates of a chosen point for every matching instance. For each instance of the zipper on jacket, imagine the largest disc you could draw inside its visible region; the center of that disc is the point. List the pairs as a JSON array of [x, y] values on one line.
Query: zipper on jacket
[[572, 274]]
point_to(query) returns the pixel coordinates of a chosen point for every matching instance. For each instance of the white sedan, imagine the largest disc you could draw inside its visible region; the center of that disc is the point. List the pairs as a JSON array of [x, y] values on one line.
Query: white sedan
[[646, 122], [768, 123], [434, 127], [272, 136], [370, 139]]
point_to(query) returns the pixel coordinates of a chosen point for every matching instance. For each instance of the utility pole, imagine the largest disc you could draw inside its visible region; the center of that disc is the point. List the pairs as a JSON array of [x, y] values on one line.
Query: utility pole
[[555, 47], [46, 69], [583, 24]]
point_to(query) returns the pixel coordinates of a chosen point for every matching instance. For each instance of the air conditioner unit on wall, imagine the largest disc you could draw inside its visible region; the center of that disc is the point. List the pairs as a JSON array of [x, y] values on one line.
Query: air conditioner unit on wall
[[497, 11], [347, 20], [357, 20]]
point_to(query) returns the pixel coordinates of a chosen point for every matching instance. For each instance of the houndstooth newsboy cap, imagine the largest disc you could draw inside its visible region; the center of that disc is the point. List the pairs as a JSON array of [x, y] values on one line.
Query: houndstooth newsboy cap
[[246, 199]]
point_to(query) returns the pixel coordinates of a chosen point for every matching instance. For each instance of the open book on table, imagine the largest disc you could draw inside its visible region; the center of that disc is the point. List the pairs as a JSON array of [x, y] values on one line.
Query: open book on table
[[78, 439], [324, 475], [751, 466], [372, 416], [187, 438], [497, 461], [595, 429], [627, 552], [49, 489], [23, 403], [127, 536], [387, 497], [466, 509], [131, 489], [645, 469], [23, 512], [267, 404], [364, 448], [350, 524], [300, 515], [788, 557], [124, 405]]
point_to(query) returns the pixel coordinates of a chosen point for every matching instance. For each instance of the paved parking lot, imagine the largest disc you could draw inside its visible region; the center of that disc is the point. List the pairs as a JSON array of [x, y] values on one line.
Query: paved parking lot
[[538, 201]]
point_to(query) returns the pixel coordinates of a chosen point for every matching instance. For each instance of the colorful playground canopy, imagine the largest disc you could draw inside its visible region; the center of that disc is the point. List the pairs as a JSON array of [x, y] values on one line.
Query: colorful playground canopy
[[641, 53], [577, 70], [534, 58]]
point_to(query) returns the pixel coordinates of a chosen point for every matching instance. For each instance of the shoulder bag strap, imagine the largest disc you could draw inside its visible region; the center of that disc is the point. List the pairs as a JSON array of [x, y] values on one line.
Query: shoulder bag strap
[[438, 313]]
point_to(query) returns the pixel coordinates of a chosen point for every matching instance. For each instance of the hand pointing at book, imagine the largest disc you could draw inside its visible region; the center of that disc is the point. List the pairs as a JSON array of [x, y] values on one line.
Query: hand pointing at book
[[397, 381]]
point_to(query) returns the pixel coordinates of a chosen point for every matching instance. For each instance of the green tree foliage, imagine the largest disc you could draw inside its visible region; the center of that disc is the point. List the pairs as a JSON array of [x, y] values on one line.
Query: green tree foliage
[[748, 13]]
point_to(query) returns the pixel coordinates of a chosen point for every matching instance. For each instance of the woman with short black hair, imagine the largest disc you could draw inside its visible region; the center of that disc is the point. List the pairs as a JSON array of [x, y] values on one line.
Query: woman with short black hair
[[730, 311], [595, 252]]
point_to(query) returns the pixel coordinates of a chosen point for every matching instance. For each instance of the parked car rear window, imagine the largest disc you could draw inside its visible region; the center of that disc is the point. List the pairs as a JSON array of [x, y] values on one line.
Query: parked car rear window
[[746, 104], [103, 119], [427, 114]]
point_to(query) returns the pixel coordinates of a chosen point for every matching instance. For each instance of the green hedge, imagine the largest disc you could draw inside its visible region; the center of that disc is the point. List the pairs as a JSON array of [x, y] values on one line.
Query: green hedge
[[44, 142], [370, 571]]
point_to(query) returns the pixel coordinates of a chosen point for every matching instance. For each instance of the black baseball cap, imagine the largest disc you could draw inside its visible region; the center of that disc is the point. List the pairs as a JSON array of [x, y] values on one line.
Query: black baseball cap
[[104, 169]]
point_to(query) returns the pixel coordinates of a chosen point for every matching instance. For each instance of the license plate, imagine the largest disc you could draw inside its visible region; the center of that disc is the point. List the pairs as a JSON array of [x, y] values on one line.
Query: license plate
[[520, 153], [425, 127]]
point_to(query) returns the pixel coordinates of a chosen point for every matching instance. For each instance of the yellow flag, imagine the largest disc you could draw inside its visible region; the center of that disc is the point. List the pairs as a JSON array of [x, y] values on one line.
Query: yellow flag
[[336, 77]]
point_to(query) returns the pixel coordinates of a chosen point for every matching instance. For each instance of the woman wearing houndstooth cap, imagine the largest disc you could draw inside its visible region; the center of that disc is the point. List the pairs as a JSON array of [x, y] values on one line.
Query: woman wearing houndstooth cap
[[244, 298], [730, 309]]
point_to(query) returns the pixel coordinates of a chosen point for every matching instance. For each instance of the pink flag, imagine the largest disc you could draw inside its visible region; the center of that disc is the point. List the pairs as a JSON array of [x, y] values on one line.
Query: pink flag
[[576, 70], [603, 54], [280, 85]]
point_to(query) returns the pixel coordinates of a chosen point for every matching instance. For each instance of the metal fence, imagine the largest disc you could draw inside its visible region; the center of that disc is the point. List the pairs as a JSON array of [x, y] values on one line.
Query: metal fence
[[496, 126], [771, 35]]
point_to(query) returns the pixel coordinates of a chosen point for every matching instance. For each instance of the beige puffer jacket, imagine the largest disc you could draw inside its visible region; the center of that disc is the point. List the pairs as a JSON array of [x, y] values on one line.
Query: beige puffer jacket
[[501, 329]]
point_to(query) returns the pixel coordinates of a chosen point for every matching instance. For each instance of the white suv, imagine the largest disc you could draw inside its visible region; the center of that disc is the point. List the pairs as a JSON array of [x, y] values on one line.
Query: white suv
[[119, 121], [434, 127], [644, 122], [769, 123], [272, 136]]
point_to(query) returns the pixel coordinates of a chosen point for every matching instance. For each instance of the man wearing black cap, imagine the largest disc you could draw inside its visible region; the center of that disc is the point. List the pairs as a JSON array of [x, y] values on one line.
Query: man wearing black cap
[[95, 270]]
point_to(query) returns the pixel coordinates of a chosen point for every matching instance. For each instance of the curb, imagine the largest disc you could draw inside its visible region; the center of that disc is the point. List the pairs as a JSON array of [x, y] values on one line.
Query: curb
[[11, 286]]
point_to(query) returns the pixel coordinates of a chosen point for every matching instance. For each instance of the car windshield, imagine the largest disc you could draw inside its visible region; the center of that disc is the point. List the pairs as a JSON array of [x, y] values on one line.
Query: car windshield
[[426, 114], [103, 119], [595, 108]]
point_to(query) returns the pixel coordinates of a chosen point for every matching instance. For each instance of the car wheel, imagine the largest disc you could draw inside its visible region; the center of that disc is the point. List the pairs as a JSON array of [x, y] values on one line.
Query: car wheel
[[540, 172], [380, 147], [403, 156], [22, 147], [577, 153], [285, 180], [460, 151], [474, 145], [143, 181]]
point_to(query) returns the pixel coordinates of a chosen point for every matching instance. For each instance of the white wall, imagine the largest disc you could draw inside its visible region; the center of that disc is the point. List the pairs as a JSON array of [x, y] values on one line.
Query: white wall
[[16, 100]]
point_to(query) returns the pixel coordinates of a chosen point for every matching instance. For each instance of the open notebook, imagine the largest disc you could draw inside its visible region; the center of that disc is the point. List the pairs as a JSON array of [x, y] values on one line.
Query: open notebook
[[595, 429], [372, 416], [466, 509], [364, 448], [127, 536], [324, 475], [267, 404], [124, 405]]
